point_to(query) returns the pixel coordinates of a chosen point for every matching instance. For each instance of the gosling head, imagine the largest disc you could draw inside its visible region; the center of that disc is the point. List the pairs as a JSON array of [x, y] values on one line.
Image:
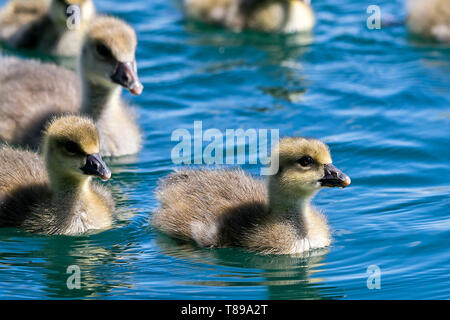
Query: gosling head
[[108, 56], [72, 11], [305, 166], [71, 150]]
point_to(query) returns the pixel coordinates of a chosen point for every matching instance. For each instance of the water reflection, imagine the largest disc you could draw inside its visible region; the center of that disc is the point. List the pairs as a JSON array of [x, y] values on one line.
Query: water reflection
[[277, 56], [284, 277], [214, 35], [100, 255], [95, 262]]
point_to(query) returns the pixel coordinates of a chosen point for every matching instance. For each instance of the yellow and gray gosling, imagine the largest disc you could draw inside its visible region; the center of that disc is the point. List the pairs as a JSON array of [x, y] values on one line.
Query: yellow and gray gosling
[[228, 208], [46, 26], [32, 92], [283, 16], [19, 13], [56, 195], [430, 18]]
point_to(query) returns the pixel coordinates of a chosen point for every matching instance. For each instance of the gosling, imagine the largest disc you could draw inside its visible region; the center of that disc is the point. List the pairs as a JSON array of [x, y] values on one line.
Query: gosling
[[32, 92], [18, 13], [228, 208], [277, 16], [430, 18], [54, 28], [56, 195]]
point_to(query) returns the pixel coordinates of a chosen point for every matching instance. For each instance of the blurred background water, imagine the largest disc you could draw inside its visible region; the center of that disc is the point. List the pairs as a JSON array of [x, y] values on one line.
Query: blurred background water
[[379, 98]]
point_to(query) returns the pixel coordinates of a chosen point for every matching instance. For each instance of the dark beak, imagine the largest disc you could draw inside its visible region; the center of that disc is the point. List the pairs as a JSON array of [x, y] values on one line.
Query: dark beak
[[334, 177], [127, 77], [95, 166]]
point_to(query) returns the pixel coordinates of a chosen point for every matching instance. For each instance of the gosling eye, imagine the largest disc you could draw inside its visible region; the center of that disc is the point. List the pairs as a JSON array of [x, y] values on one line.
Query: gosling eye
[[306, 161], [71, 148], [103, 51], [63, 2]]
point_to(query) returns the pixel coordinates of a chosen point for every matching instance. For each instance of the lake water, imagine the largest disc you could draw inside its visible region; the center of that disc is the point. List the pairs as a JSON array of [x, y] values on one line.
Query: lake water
[[379, 98]]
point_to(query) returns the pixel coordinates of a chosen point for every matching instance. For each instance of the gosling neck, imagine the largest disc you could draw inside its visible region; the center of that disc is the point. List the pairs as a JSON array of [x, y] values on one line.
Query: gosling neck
[[97, 97], [285, 204], [73, 186]]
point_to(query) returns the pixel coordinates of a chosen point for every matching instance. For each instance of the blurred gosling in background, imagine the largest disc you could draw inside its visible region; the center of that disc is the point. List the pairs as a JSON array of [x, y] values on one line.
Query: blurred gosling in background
[[225, 208], [283, 16], [430, 18], [56, 195], [17, 14], [47, 27], [32, 92]]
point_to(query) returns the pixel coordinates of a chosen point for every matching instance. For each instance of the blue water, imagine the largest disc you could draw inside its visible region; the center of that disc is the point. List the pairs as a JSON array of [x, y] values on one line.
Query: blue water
[[379, 98]]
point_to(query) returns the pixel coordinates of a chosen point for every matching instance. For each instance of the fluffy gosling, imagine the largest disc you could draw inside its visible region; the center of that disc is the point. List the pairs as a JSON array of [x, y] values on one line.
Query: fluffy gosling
[[283, 16], [56, 195], [430, 18], [49, 27], [18, 13], [226, 208], [32, 92]]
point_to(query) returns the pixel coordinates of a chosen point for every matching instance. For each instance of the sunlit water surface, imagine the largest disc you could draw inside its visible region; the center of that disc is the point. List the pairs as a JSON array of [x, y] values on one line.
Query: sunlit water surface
[[379, 98]]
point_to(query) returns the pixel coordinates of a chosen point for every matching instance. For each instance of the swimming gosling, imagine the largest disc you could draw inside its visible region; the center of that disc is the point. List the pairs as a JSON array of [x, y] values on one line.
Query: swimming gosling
[[32, 92], [228, 208], [56, 195], [430, 18], [282, 16], [55, 28], [18, 13]]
